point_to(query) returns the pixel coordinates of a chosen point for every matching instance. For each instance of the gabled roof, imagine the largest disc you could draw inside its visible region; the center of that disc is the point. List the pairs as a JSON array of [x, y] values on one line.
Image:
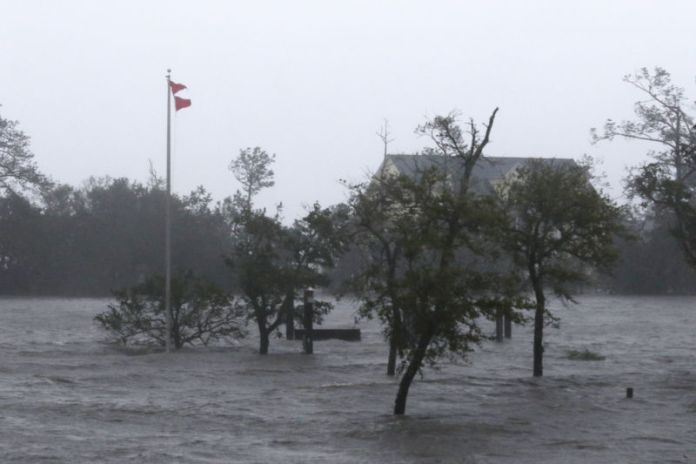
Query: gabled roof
[[486, 172]]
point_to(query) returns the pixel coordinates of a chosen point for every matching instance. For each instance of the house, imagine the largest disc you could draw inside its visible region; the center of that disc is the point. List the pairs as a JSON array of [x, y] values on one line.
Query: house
[[488, 174]]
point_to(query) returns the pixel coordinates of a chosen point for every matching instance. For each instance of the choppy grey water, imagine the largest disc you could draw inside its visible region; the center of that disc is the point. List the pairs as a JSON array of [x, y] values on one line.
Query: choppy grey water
[[68, 396]]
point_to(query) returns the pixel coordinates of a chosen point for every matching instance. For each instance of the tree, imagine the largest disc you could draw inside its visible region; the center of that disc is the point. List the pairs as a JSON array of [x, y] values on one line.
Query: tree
[[374, 208], [668, 181], [375, 205], [117, 224], [17, 172], [558, 226], [102, 236], [200, 312], [257, 253], [433, 283], [252, 168], [23, 245], [17, 167], [272, 261], [257, 259], [313, 244]]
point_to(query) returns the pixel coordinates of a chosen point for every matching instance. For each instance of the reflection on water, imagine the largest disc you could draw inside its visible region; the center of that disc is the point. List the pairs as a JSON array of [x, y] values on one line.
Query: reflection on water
[[68, 396]]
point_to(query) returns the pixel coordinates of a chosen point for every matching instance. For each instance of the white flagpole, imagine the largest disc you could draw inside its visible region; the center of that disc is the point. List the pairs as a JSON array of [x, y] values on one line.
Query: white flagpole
[[167, 228]]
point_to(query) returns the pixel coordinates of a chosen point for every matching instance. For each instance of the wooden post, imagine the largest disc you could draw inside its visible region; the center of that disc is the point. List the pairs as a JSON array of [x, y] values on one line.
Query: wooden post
[[508, 325], [289, 328], [499, 327], [290, 318], [308, 339]]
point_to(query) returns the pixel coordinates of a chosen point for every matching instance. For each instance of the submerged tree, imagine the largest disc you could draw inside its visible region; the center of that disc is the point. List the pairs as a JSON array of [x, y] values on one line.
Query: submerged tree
[[200, 313], [312, 246], [668, 181], [373, 209], [559, 228], [274, 262], [431, 293], [257, 259]]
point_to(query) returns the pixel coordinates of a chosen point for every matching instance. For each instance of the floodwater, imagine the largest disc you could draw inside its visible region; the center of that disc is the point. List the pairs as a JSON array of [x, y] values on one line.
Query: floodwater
[[69, 396]]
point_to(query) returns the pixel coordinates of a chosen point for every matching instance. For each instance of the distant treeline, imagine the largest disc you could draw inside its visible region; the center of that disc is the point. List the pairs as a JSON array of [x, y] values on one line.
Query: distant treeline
[[653, 263], [109, 234]]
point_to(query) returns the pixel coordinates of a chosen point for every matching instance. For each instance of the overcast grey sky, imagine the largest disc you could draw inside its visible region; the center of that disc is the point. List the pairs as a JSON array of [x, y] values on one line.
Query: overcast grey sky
[[312, 81]]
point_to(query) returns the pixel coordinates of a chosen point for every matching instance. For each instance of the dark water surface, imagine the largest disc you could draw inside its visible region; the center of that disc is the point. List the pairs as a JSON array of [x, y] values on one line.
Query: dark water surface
[[68, 396]]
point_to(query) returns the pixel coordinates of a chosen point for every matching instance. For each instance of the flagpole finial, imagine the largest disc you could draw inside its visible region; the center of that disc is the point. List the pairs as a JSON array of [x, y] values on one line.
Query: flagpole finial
[[169, 73]]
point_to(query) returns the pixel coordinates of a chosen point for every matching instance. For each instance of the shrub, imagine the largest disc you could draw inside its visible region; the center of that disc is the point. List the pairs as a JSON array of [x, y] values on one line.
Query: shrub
[[200, 312], [584, 355]]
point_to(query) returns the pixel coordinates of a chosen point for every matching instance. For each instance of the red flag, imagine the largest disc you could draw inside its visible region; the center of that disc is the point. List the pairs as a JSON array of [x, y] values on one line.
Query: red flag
[[180, 103], [176, 87]]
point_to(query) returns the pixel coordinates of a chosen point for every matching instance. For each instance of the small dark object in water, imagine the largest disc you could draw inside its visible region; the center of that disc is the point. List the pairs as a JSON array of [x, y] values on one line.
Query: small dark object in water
[[629, 392], [584, 355], [348, 335]]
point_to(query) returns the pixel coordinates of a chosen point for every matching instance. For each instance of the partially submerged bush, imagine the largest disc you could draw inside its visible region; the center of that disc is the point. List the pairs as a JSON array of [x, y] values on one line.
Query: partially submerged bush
[[584, 355], [200, 312]]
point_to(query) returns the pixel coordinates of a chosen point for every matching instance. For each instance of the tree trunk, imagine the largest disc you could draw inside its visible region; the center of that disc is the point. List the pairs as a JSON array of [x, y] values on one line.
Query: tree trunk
[[263, 348], [391, 362], [539, 332], [393, 342], [175, 335], [308, 322], [289, 311], [264, 338], [411, 371]]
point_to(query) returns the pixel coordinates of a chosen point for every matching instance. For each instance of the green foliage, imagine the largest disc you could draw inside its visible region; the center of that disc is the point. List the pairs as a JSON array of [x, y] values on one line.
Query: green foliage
[[17, 167], [274, 262], [106, 235], [559, 228], [653, 262], [257, 259], [423, 238], [424, 243], [23, 244], [252, 168], [584, 355], [18, 172], [200, 313], [668, 181]]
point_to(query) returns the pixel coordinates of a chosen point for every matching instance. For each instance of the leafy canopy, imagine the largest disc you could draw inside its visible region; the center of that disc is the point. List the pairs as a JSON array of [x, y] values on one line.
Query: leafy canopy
[[200, 313], [17, 167], [558, 223], [668, 180]]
